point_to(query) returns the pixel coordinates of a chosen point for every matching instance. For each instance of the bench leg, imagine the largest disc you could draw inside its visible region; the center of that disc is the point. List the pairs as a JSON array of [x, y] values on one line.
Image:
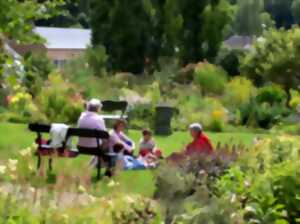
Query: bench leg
[[50, 164], [98, 168]]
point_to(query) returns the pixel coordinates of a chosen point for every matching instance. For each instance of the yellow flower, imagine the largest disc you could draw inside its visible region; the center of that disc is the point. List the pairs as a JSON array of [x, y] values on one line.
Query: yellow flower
[[25, 152], [81, 189], [2, 169], [12, 164]]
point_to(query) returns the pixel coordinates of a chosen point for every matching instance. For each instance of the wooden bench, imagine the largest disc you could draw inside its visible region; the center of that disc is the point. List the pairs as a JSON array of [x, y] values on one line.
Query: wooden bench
[[44, 148], [111, 106]]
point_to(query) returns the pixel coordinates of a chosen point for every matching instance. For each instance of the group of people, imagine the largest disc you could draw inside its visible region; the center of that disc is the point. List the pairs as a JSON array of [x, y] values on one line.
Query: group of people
[[123, 147]]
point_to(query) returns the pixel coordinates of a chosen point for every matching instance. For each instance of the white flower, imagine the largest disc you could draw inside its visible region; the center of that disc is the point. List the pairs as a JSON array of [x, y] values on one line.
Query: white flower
[[12, 164], [233, 198], [25, 152], [250, 209], [129, 199], [2, 169], [112, 183]]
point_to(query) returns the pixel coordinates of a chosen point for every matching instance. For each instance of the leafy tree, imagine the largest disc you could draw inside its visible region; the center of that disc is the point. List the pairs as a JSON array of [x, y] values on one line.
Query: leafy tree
[[276, 58], [280, 11], [215, 19], [16, 22], [248, 20], [123, 28], [296, 10], [76, 14]]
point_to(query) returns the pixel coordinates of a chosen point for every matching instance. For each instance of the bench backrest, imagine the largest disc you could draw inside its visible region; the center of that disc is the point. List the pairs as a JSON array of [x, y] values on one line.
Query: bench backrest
[[111, 106], [72, 132]]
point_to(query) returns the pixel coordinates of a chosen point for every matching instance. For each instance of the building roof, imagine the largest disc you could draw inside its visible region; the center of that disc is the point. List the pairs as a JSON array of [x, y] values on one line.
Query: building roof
[[64, 38], [239, 42]]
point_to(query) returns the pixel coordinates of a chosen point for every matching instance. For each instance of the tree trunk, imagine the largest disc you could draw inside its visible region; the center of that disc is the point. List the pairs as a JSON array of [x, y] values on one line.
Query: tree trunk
[[289, 97]]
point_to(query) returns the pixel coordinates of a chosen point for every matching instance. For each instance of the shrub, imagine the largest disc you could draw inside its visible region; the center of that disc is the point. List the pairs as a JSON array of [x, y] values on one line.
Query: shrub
[[229, 60], [212, 79], [271, 94], [97, 59], [265, 181], [238, 92], [186, 187], [60, 101]]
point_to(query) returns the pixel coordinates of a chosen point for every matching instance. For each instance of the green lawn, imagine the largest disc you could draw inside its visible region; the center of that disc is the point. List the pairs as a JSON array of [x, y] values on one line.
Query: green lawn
[[16, 136]]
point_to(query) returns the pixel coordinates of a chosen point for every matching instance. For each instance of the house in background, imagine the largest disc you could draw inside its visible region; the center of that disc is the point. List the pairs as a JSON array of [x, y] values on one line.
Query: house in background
[[239, 42], [61, 44]]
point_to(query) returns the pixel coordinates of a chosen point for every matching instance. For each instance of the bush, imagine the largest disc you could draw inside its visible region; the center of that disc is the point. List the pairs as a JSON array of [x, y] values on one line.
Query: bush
[[97, 59], [229, 60], [266, 182], [185, 188], [60, 101], [238, 92], [271, 94], [212, 79]]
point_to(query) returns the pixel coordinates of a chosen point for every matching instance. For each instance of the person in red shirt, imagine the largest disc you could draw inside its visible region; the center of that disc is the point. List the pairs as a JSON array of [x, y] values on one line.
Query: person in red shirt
[[200, 143]]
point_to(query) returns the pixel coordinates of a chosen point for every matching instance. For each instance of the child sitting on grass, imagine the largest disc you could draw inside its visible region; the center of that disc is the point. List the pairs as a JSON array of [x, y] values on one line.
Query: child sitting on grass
[[148, 151]]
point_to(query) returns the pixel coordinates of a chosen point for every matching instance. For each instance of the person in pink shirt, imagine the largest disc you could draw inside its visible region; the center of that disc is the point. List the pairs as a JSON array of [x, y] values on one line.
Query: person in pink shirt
[[90, 119], [117, 136]]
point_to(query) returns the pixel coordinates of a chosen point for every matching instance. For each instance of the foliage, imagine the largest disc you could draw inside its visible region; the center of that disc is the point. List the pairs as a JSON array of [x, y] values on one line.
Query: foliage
[[97, 59], [238, 91], [271, 94], [280, 11], [248, 21], [296, 11], [37, 67], [229, 60], [134, 41], [60, 101], [219, 15], [185, 188], [212, 79], [274, 60], [265, 182]]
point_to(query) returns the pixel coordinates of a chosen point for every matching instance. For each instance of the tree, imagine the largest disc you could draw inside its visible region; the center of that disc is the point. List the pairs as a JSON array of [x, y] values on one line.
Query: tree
[[280, 11], [16, 22], [215, 19], [275, 58], [296, 10], [76, 14], [248, 20], [122, 26]]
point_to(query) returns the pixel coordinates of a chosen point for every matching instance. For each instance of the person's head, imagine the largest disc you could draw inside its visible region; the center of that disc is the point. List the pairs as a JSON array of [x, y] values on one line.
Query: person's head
[[94, 105], [120, 125], [147, 135], [195, 130]]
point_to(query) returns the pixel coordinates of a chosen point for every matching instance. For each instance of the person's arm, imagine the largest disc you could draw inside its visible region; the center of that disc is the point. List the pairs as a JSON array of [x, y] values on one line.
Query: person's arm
[[128, 143]]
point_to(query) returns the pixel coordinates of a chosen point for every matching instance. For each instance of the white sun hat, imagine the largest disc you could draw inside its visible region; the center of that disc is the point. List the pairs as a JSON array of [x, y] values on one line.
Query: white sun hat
[[196, 127]]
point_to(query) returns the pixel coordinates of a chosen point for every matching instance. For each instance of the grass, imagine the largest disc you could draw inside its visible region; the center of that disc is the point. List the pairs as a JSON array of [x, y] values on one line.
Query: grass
[[16, 136]]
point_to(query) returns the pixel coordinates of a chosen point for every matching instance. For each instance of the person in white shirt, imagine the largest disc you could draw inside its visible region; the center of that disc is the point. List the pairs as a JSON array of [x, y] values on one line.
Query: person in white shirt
[[90, 119]]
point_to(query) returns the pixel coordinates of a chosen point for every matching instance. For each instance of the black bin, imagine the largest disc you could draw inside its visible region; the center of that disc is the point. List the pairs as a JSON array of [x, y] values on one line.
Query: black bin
[[163, 118]]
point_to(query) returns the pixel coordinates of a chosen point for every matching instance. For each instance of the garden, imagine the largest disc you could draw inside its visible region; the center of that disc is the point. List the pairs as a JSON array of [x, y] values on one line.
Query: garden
[[157, 53]]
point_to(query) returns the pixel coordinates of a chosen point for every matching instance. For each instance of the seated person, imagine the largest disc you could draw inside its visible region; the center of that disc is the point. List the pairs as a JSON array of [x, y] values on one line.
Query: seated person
[[117, 136], [147, 145], [90, 119], [200, 143]]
